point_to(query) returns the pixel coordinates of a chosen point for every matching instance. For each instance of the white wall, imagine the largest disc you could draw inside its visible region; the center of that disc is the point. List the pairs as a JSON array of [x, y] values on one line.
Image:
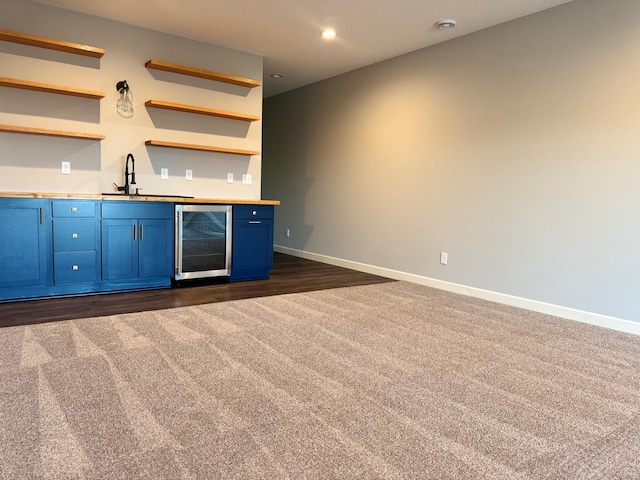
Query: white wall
[[32, 163], [515, 149]]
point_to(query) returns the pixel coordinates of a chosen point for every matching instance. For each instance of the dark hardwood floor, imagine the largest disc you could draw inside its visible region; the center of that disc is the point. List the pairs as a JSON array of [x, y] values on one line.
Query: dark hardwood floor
[[289, 275]]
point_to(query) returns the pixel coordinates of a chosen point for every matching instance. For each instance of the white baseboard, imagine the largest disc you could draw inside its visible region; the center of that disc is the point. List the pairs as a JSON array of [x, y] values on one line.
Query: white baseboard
[[614, 323]]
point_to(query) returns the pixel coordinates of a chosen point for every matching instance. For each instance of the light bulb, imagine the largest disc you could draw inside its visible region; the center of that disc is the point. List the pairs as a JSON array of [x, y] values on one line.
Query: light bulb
[[124, 104], [328, 33]]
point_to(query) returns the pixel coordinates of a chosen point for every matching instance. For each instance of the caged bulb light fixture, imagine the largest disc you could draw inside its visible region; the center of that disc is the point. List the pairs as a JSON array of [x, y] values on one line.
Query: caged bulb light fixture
[[124, 101]]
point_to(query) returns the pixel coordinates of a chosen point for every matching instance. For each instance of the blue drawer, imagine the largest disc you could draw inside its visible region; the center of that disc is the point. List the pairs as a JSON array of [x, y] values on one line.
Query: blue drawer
[[74, 234], [253, 212], [74, 208], [74, 267], [133, 209]]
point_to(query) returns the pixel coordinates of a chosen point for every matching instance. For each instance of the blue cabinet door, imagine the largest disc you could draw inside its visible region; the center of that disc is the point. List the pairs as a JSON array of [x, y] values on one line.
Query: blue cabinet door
[[119, 249], [25, 243], [252, 253], [155, 248], [137, 245], [252, 248]]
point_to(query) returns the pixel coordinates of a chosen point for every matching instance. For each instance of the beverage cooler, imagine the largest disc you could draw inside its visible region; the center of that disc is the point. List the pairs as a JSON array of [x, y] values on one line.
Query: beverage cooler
[[203, 241]]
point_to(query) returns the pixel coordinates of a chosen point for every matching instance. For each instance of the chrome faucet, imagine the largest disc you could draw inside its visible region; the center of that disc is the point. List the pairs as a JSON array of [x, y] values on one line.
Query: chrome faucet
[[126, 187]]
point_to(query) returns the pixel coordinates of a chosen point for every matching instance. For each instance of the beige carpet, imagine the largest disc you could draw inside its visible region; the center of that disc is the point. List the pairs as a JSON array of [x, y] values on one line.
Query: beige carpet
[[383, 381]]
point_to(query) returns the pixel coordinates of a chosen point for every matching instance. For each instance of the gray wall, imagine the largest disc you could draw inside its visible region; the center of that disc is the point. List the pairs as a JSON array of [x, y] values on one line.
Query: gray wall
[[515, 149], [32, 163]]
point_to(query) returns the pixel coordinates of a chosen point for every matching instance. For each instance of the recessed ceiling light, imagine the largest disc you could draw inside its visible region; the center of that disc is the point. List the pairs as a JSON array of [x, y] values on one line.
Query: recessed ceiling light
[[328, 33], [445, 24], [276, 75]]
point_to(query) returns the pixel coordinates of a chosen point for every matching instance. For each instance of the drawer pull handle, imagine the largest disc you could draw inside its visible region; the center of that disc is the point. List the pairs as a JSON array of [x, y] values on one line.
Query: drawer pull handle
[[74, 235], [254, 221], [74, 209], [75, 267]]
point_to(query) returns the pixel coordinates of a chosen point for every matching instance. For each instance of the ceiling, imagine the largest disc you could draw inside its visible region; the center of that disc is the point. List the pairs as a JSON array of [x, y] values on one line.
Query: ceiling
[[287, 33]]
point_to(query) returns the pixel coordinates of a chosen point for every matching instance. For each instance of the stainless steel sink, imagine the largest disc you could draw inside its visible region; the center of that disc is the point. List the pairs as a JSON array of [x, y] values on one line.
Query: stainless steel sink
[[115, 194]]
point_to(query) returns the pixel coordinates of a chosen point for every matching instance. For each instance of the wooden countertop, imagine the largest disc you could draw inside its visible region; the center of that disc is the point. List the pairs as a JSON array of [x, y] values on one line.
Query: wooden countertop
[[139, 198]]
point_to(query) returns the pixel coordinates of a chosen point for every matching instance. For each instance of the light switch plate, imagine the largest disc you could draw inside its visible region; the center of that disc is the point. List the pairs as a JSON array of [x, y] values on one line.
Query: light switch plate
[[164, 173], [246, 178], [188, 175], [65, 169], [229, 177]]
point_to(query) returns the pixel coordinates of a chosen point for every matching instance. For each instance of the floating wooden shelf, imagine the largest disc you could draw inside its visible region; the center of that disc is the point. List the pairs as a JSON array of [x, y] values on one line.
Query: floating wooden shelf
[[207, 148], [197, 72], [44, 87], [51, 44], [54, 133], [201, 110]]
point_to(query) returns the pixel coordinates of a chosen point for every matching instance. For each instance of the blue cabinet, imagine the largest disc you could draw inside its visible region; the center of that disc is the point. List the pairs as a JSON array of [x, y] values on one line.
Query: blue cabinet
[[76, 243], [252, 252], [25, 245], [48, 248], [69, 246], [137, 244]]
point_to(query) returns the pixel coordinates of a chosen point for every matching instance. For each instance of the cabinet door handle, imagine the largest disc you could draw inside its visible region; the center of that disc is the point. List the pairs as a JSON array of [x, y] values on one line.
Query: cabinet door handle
[[255, 221], [41, 216], [74, 235], [74, 210], [141, 232], [75, 267], [134, 232]]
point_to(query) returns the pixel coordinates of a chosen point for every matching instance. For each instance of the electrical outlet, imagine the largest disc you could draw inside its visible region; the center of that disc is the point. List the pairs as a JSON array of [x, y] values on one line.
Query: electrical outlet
[[65, 169], [188, 175], [444, 258], [229, 177], [246, 178], [164, 173], [287, 232]]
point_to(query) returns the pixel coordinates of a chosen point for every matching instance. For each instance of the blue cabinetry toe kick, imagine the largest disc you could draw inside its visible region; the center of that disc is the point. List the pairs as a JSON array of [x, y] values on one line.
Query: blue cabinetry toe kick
[[70, 247]]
